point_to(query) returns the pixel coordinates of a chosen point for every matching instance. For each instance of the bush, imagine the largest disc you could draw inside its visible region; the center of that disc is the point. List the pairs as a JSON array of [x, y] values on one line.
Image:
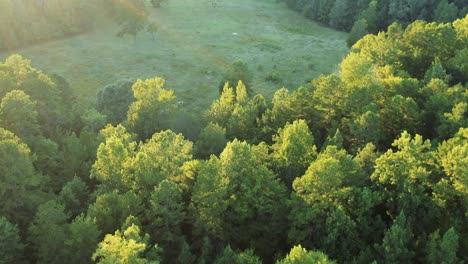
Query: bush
[[238, 71], [273, 77]]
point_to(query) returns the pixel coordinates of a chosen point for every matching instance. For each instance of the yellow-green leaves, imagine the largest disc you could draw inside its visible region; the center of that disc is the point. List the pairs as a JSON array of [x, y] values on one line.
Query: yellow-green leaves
[[127, 247], [300, 255], [153, 106]]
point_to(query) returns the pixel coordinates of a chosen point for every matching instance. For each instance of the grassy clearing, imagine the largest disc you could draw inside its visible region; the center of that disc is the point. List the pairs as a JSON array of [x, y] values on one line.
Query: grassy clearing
[[194, 45]]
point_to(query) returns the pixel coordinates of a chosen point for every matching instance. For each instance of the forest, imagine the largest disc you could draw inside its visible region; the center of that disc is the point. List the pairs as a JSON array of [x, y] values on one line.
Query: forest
[[365, 165], [362, 17]]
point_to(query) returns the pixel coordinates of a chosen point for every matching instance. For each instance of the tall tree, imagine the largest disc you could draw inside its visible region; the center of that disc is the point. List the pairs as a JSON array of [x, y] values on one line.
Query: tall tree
[[166, 215], [131, 16], [11, 247], [320, 209], [229, 256], [443, 249], [18, 114], [293, 150], [127, 246], [114, 100], [238, 200], [152, 109], [396, 244], [110, 210], [212, 141], [47, 233], [161, 158], [300, 255], [404, 179], [112, 158], [20, 188]]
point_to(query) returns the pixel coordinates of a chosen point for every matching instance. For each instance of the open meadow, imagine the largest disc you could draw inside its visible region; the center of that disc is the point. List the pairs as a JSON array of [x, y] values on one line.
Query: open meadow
[[195, 43]]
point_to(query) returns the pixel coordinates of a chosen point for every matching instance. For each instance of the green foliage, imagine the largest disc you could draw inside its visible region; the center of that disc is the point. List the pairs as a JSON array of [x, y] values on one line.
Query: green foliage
[[110, 210], [274, 77], [74, 196], [222, 108], [329, 95], [229, 256], [131, 16], [396, 244], [299, 255], [185, 256], [20, 185], [78, 152], [371, 16], [152, 109], [237, 71], [82, 240], [126, 247], [18, 114], [407, 185], [288, 107], [166, 214], [452, 156], [238, 200], [400, 114], [443, 249], [341, 14], [44, 95], [321, 212], [436, 71], [34, 21], [293, 150], [235, 111], [434, 40], [445, 12], [349, 201], [11, 247], [114, 100], [161, 158], [47, 232], [360, 29], [212, 141], [112, 156]]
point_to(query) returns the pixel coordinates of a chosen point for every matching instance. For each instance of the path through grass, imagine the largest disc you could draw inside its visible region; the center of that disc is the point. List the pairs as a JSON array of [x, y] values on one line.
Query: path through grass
[[194, 45]]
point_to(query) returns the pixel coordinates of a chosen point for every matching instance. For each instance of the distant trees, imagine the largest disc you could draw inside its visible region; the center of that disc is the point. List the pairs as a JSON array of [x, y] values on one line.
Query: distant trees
[[378, 15], [131, 16], [359, 30]]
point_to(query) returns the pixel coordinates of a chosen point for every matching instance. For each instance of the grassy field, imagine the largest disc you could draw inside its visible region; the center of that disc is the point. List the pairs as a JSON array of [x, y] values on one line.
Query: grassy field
[[194, 45]]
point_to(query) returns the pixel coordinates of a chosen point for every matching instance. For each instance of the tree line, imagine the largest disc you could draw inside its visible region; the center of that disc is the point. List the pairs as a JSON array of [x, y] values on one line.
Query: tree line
[[372, 16], [366, 166], [25, 23]]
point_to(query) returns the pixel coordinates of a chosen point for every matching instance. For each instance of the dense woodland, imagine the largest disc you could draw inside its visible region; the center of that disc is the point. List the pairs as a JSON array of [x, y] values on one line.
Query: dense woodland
[[372, 16], [368, 165]]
